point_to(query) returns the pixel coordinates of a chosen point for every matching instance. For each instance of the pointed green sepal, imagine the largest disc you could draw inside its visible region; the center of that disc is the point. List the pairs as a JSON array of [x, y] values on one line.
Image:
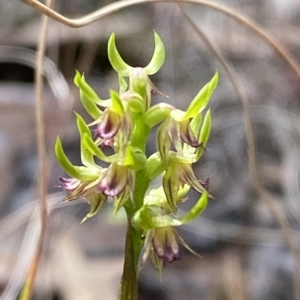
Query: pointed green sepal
[[195, 211], [183, 191], [135, 102], [88, 96], [139, 83], [117, 105], [87, 158], [142, 218], [164, 221], [195, 124], [184, 244], [115, 58], [135, 159], [119, 203], [96, 202], [205, 130], [199, 102], [204, 135], [163, 142], [158, 57], [123, 84], [81, 173], [202, 98], [95, 150], [157, 113], [154, 166], [150, 216], [170, 184]]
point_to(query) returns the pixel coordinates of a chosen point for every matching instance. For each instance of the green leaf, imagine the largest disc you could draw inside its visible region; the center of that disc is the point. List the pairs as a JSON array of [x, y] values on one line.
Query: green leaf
[[115, 58], [81, 173], [158, 57], [88, 96], [196, 210]]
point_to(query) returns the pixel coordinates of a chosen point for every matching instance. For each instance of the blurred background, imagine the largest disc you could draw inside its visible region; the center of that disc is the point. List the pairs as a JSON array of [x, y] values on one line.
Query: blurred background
[[245, 254]]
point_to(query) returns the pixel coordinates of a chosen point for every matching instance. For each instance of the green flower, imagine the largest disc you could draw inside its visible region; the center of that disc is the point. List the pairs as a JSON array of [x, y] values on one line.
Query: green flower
[[161, 239], [139, 81], [178, 174], [86, 189]]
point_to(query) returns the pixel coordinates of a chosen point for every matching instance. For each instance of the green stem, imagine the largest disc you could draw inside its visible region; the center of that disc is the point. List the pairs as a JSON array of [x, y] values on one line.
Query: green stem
[[129, 281], [133, 244]]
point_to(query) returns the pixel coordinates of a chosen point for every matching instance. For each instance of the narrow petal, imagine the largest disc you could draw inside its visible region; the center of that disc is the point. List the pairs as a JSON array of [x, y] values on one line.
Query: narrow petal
[[183, 242], [174, 134], [147, 245], [201, 100], [96, 201], [80, 191], [68, 184], [187, 134], [158, 57], [88, 96], [163, 142], [187, 176], [195, 211], [79, 172], [171, 186], [115, 58]]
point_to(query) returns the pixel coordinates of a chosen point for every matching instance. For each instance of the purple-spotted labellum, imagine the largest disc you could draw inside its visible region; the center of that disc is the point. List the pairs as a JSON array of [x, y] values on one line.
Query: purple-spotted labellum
[[108, 125], [164, 244]]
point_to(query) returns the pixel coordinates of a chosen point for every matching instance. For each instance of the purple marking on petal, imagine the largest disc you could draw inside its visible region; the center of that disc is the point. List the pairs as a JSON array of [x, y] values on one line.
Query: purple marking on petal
[[165, 244], [109, 125], [187, 136], [114, 181], [68, 184], [205, 183]]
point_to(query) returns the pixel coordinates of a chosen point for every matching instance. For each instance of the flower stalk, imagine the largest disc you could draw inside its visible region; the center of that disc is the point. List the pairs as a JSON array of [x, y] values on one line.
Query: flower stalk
[[123, 123]]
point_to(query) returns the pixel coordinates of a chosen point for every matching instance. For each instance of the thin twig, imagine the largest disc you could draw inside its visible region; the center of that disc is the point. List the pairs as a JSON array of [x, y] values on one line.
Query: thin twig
[[276, 211], [233, 278], [116, 6], [42, 178]]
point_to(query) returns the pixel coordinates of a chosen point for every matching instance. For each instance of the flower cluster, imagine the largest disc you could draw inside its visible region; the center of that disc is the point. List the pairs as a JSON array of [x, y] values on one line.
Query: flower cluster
[[123, 124]]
